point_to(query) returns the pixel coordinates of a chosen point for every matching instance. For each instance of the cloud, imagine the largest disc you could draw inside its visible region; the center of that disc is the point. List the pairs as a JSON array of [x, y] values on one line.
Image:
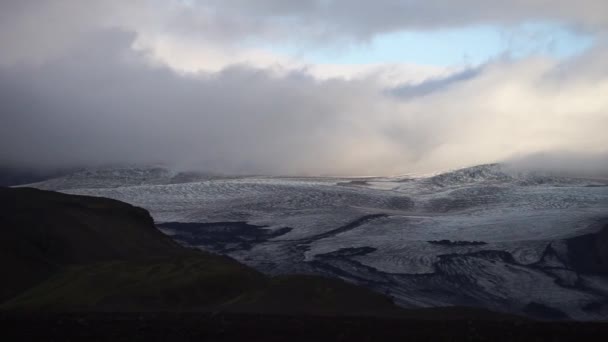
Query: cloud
[[34, 31], [433, 85], [361, 19], [91, 88], [591, 165], [213, 30], [105, 104], [102, 104]]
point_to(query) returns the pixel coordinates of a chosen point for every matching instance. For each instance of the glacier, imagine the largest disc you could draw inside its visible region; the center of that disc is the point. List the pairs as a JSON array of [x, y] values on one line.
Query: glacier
[[483, 236]]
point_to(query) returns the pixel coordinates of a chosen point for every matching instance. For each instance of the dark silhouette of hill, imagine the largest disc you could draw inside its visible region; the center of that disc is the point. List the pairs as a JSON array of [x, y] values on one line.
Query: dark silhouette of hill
[[589, 253], [45, 231], [87, 254]]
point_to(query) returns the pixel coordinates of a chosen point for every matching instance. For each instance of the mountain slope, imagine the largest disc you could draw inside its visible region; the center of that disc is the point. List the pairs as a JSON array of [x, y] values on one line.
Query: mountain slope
[[77, 253], [43, 231]]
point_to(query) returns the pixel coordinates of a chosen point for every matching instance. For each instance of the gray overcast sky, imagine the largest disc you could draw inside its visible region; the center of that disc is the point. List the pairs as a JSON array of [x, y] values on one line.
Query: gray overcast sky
[[218, 86]]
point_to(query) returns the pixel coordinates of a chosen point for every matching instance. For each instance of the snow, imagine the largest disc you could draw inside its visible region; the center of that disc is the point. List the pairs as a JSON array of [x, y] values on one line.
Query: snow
[[517, 213]]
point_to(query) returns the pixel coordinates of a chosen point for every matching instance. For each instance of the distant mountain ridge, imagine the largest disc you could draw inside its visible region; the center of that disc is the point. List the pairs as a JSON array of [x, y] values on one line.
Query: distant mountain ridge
[[500, 173], [123, 176]]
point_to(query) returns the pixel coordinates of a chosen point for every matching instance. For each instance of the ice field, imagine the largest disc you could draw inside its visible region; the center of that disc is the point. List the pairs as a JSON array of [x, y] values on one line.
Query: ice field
[[483, 236]]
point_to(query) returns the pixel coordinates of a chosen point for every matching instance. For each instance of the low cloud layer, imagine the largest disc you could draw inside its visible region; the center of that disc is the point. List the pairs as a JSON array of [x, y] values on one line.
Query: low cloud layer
[[563, 163], [84, 93]]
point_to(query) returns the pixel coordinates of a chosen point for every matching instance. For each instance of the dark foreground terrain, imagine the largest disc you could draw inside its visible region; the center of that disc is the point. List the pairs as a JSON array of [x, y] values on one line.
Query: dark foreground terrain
[[86, 268], [64, 253], [257, 327]]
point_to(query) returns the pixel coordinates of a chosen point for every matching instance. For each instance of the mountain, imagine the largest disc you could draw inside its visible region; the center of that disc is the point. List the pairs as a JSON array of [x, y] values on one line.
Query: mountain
[[76, 253], [113, 177], [488, 236]]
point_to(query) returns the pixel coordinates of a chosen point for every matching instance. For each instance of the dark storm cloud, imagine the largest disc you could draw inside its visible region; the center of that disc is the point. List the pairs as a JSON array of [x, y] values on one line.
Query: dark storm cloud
[[104, 104]]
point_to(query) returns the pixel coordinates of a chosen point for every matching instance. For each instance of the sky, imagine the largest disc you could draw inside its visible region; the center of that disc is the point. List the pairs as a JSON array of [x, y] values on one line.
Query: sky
[[472, 45], [294, 87]]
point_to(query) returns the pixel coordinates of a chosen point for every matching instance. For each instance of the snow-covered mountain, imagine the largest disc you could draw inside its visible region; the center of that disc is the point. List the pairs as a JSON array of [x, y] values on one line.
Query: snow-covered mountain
[[484, 236], [115, 177]]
